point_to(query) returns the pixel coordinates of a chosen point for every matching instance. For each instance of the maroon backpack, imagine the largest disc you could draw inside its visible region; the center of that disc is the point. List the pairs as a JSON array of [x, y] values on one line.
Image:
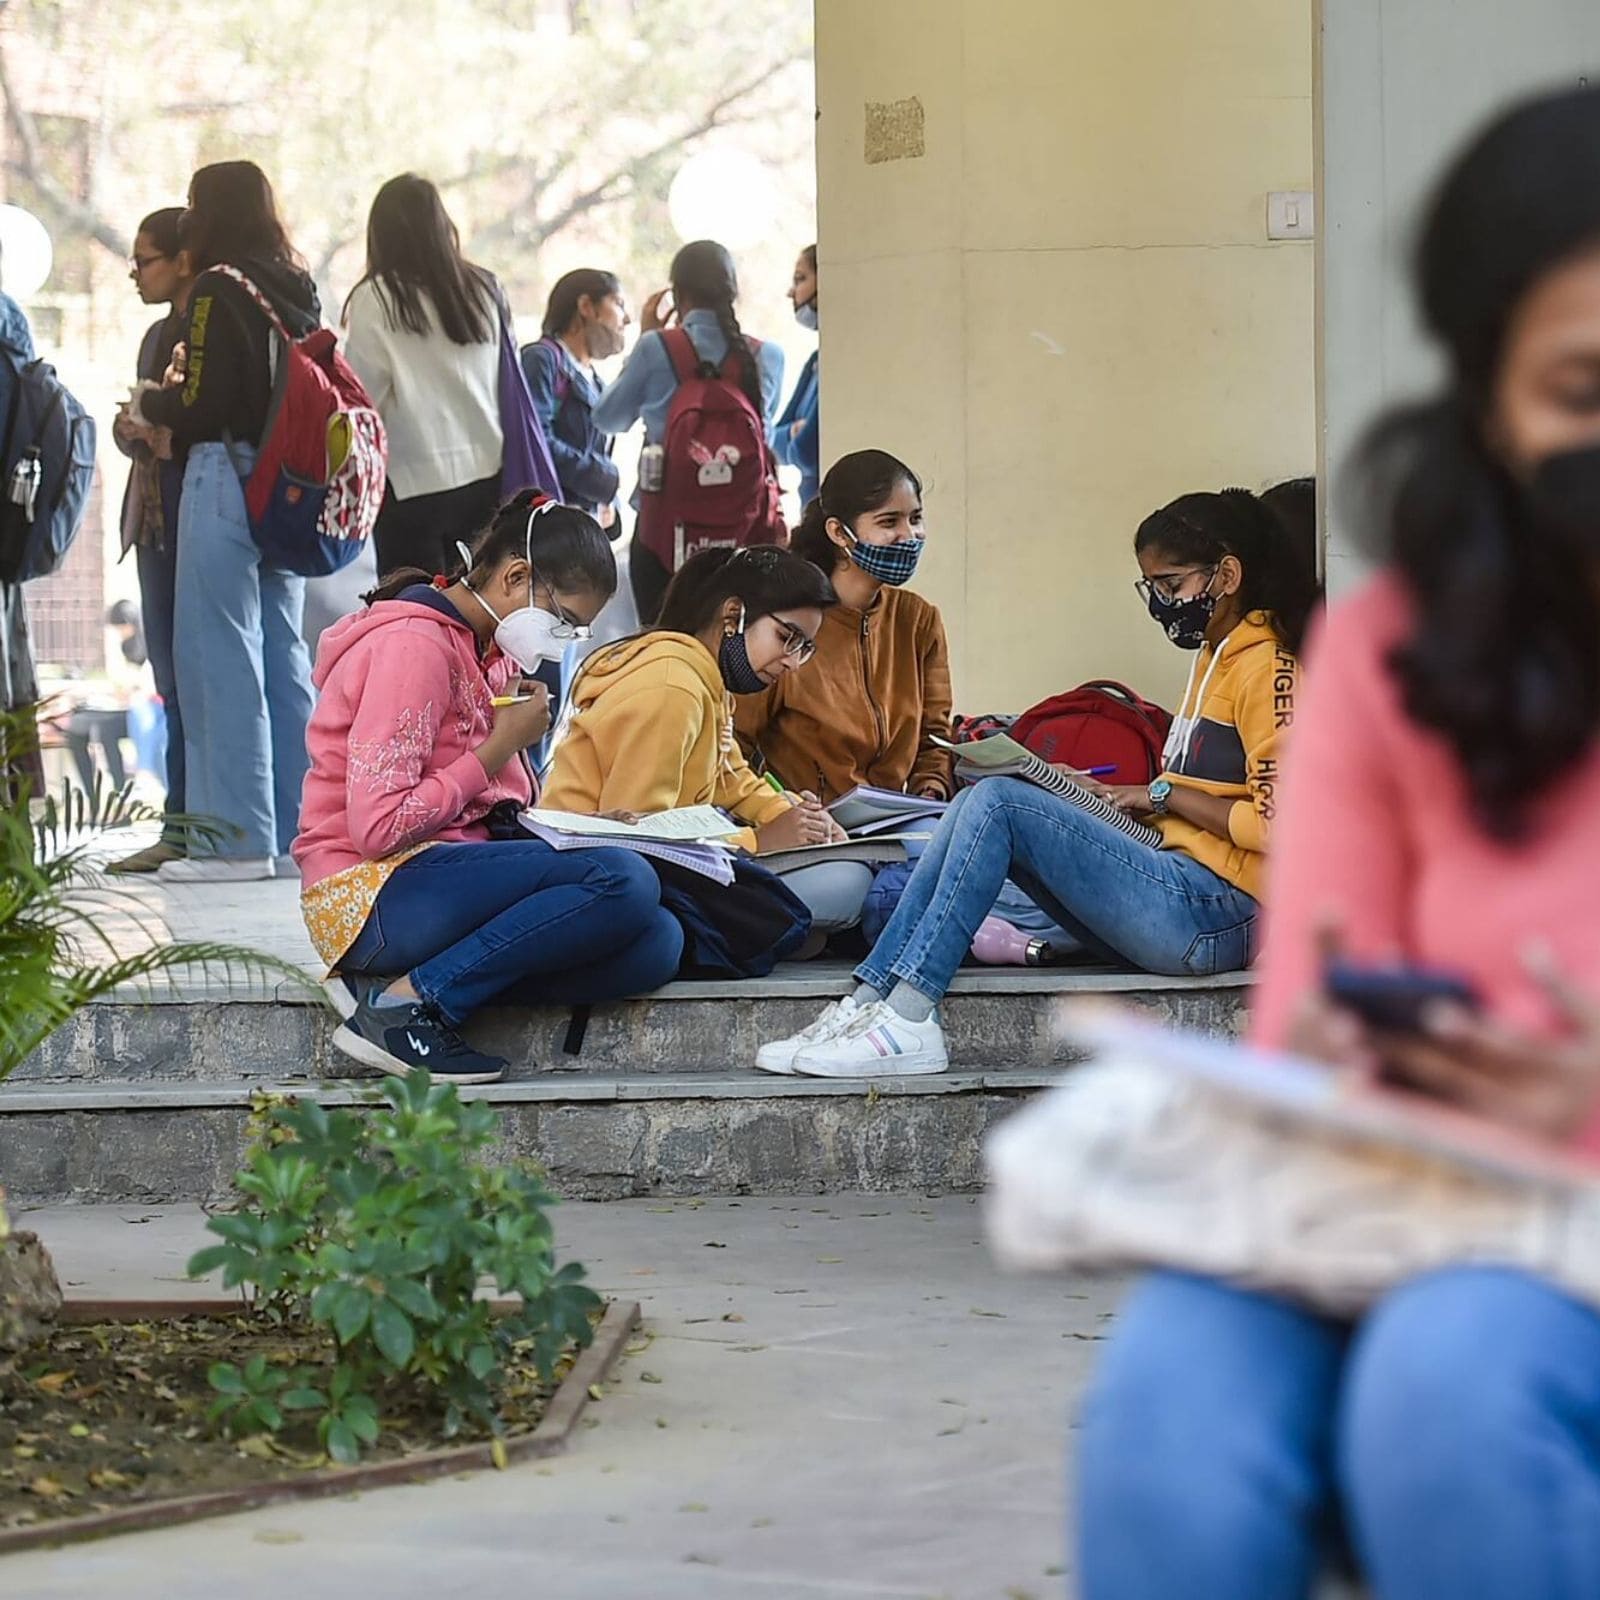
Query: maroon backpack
[[720, 485], [1099, 724]]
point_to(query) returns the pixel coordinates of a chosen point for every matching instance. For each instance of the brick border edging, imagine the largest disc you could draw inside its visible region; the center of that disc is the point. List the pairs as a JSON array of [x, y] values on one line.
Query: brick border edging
[[550, 1438]]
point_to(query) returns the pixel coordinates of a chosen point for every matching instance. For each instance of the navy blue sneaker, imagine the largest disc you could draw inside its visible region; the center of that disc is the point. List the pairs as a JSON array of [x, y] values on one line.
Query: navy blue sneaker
[[346, 990], [413, 1038]]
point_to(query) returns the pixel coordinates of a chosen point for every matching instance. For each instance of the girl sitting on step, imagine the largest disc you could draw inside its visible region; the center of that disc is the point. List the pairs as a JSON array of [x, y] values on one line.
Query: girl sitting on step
[[1225, 579], [417, 750]]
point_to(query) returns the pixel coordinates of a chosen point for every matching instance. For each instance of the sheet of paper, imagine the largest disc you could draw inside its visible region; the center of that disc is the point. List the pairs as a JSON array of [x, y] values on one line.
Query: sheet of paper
[[691, 824]]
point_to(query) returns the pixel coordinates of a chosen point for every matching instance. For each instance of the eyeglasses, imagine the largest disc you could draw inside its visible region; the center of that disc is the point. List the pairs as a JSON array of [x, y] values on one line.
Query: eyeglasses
[[566, 626], [138, 263], [796, 645], [1164, 591]]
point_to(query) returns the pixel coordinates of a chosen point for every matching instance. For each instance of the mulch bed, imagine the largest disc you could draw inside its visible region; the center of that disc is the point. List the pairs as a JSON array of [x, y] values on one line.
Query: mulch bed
[[104, 1428]]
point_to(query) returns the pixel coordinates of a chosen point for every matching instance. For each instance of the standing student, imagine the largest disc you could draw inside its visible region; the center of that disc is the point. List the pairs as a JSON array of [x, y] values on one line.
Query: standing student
[[1442, 805], [703, 294], [878, 689], [653, 727], [423, 335], [19, 679], [1224, 580], [163, 273], [405, 877], [585, 321], [243, 673], [795, 439]]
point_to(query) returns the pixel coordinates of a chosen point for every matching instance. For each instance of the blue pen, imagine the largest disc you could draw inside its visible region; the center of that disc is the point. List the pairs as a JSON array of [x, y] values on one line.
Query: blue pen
[[1098, 772]]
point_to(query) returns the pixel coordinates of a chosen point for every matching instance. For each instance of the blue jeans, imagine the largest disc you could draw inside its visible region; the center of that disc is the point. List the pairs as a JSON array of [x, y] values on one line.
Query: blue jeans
[[1454, 1434], [1156, 910], [516, 922], [243, 672], [157, 577]]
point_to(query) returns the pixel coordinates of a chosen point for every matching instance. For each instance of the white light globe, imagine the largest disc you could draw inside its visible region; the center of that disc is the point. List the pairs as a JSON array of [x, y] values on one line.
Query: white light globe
[[726, 195], [25, 252]]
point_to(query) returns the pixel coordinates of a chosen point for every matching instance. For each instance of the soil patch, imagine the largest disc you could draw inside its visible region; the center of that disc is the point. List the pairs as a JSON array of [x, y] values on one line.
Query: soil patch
[[111, 1415]]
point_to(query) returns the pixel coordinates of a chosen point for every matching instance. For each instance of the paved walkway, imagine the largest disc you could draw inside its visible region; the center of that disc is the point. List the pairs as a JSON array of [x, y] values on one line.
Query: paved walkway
[[841, 1397]]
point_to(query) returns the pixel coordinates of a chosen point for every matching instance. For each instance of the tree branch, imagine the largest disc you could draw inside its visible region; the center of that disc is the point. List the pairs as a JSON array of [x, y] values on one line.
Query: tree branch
[[80, 218]]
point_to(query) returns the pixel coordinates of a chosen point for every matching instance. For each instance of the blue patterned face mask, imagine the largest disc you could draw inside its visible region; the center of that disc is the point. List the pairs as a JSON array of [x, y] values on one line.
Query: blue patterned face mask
[[738, 676], [893, 564]]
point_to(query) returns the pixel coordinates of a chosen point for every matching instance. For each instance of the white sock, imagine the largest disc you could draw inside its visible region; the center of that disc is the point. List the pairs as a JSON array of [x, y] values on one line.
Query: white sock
[[384, 998], [910, 1003], [866, 995]]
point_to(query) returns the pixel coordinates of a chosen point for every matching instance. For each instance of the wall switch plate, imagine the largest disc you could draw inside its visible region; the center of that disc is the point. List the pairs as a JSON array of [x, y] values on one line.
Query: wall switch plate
[[1291, 214]]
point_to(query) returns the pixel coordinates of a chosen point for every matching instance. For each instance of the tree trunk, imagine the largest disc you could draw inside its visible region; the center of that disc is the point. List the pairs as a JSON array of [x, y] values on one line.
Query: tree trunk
[[30, 1292]]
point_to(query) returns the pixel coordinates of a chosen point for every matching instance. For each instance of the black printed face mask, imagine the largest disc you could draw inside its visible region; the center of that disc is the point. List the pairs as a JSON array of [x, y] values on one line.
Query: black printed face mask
[[1565, 491]]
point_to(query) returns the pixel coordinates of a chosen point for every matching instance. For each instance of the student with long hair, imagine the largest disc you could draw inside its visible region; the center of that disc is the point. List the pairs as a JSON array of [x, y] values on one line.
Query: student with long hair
[[409, 881], [585, 321], [703, 294], [878, 690], [1224, 579], [1442, 806], [422, 330], [796, 440], [243, 672], [162, 272]]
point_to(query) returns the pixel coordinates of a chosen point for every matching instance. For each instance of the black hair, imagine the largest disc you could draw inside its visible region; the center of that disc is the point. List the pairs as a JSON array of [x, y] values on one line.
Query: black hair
[[763, 579], [810, 253], [1500, 659], [232, 216], [1294, 503], [414, 261], [571, 287], [856, 484], [1279, 563], [163, 229], [704, 274], [568, 548]]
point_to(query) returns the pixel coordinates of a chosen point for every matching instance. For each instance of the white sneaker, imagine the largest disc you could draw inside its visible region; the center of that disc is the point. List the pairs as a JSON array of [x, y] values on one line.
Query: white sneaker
[[779, 1055], [879, 1043], [217, 869]]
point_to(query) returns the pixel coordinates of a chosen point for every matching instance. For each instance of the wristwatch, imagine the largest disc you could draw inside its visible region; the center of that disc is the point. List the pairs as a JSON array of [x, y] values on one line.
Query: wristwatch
[[1160, 792]]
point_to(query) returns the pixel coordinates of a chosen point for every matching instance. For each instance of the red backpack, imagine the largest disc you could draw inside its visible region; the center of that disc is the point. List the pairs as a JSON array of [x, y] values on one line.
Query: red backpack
[[720, 487], [1098, 725], [314, 493]]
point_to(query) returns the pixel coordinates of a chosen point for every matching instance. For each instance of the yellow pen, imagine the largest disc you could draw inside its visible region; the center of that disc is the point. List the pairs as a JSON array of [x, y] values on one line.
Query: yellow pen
[[510, 699]]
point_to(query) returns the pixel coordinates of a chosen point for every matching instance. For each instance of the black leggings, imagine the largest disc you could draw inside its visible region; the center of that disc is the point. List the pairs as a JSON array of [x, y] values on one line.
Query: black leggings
[[422, 530], [650, 580]]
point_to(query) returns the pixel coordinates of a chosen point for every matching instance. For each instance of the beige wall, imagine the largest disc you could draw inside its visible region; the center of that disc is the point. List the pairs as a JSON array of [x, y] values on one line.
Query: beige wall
[[1066, 310]]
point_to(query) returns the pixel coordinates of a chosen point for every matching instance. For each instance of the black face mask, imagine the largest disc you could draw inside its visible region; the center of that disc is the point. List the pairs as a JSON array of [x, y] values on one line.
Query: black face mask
[[1565, 491], [738, 675], [1185, 621]]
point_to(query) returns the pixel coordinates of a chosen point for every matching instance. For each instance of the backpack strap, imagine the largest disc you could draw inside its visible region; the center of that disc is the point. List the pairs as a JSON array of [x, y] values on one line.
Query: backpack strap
[[681, 353], [266, 307]]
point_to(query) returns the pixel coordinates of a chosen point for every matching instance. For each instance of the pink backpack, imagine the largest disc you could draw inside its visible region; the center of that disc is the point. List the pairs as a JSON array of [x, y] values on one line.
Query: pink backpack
[[314, 493], [720, 486]]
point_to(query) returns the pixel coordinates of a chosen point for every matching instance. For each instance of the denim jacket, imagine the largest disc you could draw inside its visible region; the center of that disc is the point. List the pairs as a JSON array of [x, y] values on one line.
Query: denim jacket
[[565, 396]]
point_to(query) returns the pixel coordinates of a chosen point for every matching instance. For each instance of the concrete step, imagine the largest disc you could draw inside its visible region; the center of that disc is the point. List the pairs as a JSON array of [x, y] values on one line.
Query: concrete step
[[599, 1136], [216, 1036]]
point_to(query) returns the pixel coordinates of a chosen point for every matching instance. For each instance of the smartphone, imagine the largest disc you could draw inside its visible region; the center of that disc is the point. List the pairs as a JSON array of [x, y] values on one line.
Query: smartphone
[[1394, 999]]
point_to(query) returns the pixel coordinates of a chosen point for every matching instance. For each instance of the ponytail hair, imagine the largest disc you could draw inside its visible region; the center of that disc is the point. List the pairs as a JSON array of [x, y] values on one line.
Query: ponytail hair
[[762, 578], [1278, 559], [856, 485], [562, 308], [704, 274], [566, 546]]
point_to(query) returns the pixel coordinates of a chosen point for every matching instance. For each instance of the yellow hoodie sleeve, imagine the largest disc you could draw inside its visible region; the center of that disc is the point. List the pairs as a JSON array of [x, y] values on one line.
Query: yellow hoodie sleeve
[[746, 797], [1263, 714]]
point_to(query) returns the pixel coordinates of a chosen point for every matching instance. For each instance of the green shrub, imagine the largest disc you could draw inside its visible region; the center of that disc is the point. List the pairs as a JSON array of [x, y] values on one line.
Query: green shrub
[[379, 1226]]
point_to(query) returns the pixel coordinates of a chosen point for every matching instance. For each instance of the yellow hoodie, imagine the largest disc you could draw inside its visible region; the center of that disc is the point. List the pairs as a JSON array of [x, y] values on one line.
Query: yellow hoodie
[[1228, 741], [653, 729]]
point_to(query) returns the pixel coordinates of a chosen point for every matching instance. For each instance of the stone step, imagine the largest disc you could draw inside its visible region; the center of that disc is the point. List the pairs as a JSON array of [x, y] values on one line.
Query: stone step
[[212, 1035], [599, 1136]]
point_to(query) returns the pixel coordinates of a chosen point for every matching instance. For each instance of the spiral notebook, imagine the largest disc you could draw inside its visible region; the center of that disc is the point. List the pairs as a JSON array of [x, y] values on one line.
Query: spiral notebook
[[1000, 756]]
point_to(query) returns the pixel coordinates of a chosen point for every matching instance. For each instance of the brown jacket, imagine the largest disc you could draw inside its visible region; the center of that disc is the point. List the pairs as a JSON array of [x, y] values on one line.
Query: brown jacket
[[863, 709]]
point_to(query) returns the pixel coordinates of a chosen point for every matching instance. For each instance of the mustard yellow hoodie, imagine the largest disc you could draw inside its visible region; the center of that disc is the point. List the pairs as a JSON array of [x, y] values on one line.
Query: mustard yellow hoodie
[[653, 729], [1240, 702]]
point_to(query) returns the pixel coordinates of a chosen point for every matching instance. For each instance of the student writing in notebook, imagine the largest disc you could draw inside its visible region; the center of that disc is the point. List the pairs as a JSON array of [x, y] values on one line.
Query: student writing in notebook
[[1441, 808], [423, 914], [1224, 579], [653, 721]]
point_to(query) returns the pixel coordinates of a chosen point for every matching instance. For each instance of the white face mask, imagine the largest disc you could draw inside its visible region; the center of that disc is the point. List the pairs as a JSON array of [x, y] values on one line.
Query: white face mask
[[530, 634]]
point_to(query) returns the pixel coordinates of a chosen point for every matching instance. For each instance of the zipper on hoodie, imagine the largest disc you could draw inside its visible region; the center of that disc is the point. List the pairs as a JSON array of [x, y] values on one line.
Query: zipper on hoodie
[[879, 720]]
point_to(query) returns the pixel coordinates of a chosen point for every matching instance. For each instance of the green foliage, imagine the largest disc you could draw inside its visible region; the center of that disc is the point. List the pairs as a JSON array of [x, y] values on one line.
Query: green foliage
[[67, 933], [379, 1226]]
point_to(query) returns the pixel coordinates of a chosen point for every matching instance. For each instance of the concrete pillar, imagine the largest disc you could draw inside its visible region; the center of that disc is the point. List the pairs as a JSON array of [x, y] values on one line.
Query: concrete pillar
[[1400, 85]]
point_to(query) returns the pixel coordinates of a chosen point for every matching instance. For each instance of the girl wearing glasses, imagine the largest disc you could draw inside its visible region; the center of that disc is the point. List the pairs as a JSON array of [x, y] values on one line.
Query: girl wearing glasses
[[418, 739], [654, 716], [1227, 580]]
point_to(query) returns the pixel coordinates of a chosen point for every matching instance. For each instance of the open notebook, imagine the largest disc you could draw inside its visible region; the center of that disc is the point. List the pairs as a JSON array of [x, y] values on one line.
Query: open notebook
[[693, 837], [1000, 756], [869, 810]]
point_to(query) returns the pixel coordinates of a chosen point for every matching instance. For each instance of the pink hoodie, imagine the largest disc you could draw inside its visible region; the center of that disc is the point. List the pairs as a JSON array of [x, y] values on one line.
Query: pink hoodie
[[403, 704]]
